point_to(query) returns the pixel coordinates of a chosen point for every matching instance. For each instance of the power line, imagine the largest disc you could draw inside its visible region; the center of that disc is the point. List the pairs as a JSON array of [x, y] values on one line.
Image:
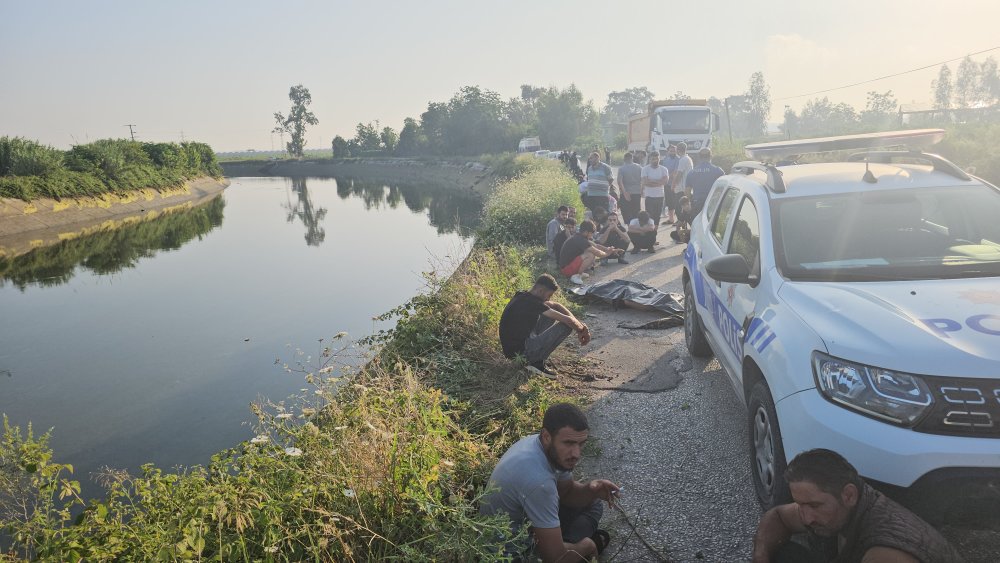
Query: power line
[[888, 75]]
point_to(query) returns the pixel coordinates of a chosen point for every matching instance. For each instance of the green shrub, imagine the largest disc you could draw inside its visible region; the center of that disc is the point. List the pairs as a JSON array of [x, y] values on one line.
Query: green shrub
[[21, 157], [518, 210]]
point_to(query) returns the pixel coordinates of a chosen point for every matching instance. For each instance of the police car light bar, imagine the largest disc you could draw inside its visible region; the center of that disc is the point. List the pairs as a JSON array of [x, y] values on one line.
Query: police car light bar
[[914, 138]]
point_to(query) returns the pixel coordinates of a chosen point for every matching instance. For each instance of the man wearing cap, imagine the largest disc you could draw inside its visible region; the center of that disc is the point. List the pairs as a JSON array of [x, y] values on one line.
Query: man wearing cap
[[533, 326], [699, 181]]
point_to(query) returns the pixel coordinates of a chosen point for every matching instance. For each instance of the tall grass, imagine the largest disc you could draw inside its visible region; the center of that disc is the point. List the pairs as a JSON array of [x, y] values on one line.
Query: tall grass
[[518, 210], [30, 171]]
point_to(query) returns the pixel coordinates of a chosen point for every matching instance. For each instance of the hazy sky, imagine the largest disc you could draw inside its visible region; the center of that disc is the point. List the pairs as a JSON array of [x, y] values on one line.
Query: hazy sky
[[73, 71]]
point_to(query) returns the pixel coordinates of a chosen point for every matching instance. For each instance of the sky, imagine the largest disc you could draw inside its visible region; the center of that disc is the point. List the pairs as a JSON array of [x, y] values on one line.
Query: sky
[[216, 71]]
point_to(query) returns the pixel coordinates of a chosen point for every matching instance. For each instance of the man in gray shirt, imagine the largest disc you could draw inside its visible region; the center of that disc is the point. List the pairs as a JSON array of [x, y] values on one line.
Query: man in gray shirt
[[533, 483], [553, 228], [630, 185]]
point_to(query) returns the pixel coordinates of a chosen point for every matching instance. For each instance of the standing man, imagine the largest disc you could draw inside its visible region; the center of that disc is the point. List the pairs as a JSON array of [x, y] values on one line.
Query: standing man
[[599, 179], [533, 484], [579, 253], [861, 524], [654, 182], [533, 325], [684, 166], [700, 180], [630, 186], [553, 228]]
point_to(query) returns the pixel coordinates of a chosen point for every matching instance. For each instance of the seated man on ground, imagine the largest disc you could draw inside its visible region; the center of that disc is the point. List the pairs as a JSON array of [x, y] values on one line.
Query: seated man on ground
[[533, 483], [554, 227], [642, 232], [568, 230], [533, 325], [858, 523], [612, 235], [580, 253], [685, 214]]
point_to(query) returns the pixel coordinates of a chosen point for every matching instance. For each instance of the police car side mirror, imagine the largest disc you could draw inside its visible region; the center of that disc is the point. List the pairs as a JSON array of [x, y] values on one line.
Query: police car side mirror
[[730, 268]]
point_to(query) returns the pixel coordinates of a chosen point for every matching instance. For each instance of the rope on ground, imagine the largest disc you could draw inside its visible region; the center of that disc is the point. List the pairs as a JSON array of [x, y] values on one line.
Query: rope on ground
[[656, 553]]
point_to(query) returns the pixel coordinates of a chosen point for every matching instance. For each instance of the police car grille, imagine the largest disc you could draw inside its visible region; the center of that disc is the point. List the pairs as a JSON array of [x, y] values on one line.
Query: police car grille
[[963, 407]]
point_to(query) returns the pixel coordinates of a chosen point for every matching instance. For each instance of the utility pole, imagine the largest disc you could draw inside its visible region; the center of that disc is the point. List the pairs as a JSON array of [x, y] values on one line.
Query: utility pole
[[729, 121], [182, 135], [130, 131]]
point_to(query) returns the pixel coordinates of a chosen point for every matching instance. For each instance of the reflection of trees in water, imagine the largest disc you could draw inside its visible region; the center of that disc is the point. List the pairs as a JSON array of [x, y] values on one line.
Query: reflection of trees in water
[[448, 209], [303, 210], [107, 252]]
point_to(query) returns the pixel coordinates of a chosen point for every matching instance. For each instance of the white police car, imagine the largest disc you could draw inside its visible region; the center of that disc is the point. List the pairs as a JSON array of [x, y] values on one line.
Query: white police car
[[855, 306]]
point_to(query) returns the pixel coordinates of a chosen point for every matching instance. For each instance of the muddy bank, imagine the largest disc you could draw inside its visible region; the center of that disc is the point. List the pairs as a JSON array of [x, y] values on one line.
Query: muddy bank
[[464, 176], [25, 226]]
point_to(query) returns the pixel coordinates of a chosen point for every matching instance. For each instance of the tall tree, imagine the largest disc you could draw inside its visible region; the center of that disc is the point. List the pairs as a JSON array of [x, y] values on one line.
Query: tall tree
[[758, 104], [966, 83], [880, 110], [367, 137], [340, 147], [942, 88], [989, 82], [389, 139], [680, 96], [563, 117], [298, 118], [820, 116], [621, 105], [409, 138]]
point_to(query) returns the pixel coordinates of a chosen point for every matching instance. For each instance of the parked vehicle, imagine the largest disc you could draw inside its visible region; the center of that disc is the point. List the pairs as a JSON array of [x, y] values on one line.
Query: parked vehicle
[[668, 122], [855, 306], [529, 144]]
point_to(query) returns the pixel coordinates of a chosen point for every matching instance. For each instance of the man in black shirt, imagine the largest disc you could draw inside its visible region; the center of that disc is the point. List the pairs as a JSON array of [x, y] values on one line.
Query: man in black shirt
[[533, 326], [568, 230]]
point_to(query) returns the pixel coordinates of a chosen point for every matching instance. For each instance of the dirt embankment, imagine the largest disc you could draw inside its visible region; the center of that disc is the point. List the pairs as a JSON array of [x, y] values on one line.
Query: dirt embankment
[[464, 176], [28, 225]]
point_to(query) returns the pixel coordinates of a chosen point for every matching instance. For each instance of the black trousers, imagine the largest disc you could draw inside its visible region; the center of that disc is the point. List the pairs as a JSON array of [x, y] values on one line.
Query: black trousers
[[617, 241], [643, 240], [630, 209], [654, 206]]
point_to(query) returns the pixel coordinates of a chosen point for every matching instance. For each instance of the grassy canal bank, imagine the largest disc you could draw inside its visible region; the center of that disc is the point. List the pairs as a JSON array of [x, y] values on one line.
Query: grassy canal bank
[[385, 461]]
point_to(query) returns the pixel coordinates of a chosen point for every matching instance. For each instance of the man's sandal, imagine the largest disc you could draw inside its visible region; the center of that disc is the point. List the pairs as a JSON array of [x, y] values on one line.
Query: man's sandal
[[601, 538]]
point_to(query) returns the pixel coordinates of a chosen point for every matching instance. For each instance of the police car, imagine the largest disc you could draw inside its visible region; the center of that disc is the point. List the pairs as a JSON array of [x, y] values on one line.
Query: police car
[[855, 306]]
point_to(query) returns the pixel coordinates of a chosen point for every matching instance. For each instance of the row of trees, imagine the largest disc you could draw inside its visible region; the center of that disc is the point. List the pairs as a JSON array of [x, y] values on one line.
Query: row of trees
[[976, 85]]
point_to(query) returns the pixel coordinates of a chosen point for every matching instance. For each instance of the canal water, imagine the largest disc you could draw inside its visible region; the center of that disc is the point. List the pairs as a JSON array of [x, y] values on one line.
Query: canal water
[[148, 344]]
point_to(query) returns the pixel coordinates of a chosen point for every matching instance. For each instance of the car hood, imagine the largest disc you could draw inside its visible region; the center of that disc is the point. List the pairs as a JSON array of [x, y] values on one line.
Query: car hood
[[932, 327]]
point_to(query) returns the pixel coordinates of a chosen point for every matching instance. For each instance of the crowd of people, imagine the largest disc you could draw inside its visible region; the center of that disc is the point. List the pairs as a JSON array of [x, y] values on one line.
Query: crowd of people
[[834, 517]]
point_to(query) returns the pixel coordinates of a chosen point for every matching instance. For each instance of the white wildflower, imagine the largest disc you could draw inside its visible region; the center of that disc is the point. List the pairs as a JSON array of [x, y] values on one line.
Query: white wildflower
[[294, 452], [262, 439], [284, 416], [271, 549], [349, 493]]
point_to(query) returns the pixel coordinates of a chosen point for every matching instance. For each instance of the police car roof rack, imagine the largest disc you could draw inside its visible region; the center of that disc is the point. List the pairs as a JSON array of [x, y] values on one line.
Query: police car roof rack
[[775, 182], [939, 163]]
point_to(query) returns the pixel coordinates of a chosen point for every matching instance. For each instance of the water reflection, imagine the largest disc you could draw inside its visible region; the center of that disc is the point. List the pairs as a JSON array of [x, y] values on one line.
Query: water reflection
[[304, 211], [449, 210], [110, 251]]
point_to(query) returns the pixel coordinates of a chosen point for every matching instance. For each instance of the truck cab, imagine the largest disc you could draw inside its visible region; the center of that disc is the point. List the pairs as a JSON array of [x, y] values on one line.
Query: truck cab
[[669, 122]]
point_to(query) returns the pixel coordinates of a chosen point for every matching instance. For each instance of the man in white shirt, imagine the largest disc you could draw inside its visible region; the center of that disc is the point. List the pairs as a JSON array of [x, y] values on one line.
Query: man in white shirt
[[654, 182], [684, 166]]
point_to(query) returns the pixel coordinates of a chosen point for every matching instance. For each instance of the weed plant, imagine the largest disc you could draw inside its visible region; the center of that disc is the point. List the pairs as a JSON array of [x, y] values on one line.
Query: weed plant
[[518, 210], [29, 171]]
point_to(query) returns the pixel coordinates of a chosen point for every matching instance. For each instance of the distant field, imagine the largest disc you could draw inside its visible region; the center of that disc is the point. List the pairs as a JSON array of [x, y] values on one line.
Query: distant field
[[268, 155]]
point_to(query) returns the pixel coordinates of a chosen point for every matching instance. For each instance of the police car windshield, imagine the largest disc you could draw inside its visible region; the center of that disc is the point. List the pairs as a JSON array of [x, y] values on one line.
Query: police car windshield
[[918, 233], [683, 121]]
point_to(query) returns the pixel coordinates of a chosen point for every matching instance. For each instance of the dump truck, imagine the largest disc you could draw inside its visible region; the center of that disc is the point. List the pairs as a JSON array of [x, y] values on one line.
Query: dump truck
[[668, 122]]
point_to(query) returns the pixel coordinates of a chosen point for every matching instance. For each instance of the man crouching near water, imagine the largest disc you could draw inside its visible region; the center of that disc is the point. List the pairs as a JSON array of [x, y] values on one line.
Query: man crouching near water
[[534, 326], [534, 482], [847, 520]]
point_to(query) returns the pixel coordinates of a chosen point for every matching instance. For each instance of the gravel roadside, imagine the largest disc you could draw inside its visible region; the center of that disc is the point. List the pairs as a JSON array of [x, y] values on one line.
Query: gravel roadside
[[671, 431]]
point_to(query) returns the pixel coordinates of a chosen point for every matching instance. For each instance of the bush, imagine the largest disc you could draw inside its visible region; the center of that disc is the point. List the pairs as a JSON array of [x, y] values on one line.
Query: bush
[[518, 210], [21, 157]]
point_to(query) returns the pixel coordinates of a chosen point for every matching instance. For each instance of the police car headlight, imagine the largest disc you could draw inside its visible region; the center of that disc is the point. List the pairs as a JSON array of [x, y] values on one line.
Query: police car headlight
[[693, 145], [900, 398]]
